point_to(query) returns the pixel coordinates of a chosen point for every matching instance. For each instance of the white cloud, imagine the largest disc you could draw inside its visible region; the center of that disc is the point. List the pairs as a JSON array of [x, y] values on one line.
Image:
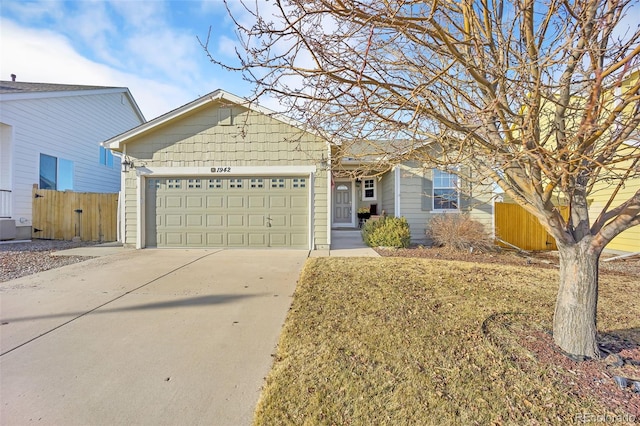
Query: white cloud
[[165, 51], [48, 57]]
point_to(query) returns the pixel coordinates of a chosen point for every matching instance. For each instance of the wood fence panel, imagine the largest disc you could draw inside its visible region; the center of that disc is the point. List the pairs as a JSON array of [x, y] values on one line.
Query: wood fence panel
[[64, 215], [517, 226]]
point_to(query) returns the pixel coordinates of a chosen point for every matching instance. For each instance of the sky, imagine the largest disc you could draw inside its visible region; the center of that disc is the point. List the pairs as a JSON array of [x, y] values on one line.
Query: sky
[[149, 46]]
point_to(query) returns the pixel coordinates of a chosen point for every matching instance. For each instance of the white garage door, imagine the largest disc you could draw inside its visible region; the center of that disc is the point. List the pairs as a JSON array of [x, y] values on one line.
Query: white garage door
[[227, 212]]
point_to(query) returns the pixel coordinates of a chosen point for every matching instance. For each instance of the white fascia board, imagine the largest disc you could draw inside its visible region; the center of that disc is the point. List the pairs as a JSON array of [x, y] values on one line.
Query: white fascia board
[[227, 171], [135, 106], [61, 94]]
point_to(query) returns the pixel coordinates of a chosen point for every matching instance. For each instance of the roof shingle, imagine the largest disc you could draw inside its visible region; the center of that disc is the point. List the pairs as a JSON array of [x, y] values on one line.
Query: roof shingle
[[24, 87]]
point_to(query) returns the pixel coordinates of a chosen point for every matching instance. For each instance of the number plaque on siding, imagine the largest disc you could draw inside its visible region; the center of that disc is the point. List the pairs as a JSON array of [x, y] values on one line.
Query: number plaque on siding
[[221, 170]]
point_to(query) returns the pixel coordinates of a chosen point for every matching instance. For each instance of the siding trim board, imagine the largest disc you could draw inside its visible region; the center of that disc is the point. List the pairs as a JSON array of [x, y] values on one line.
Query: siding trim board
[[396, 198], [232, 171]]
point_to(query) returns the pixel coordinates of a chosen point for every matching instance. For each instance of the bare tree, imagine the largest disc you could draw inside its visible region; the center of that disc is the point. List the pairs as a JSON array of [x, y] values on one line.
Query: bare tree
[[540, 96]]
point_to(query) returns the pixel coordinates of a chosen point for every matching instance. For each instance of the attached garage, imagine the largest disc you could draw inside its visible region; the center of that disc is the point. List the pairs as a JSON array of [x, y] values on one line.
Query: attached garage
[[240, 211], [220, 172]]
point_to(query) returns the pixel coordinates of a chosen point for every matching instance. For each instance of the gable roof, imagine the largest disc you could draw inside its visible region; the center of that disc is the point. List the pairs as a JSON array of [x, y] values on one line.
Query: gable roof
[[219, 95], [19, 90]]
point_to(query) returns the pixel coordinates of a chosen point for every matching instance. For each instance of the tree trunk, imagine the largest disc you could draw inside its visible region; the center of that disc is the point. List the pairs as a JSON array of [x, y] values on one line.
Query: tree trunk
[[574, 321]]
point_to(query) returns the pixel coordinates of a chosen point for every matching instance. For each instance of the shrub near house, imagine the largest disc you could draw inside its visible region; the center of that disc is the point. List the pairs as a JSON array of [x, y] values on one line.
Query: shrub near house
[[387, 232]]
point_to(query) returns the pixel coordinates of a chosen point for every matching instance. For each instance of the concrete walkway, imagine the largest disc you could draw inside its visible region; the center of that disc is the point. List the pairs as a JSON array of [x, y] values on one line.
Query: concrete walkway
[[98, 250], [346, 243], [145, 337]]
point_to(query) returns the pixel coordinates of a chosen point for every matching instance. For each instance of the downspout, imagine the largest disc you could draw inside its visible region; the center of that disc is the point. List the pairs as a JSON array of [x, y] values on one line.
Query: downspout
[[396, 183], [329, 195], [123, 204]]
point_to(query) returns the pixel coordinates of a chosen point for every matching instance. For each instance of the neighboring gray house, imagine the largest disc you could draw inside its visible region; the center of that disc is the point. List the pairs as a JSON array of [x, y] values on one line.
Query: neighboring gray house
[[50, 135], [219, 172]]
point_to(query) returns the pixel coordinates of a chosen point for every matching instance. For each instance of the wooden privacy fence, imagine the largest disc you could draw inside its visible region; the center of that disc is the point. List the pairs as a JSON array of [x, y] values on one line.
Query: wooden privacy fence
[[64, 215], [517, 226]]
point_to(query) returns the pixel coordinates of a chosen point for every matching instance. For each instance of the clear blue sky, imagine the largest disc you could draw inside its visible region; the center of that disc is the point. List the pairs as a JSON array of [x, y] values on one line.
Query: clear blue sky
[[149, 46]]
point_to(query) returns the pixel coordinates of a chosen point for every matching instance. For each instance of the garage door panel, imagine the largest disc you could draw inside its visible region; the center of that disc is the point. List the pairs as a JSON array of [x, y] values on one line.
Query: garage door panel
[[215, 201], [277, 201], [257, 239], [299, 239], [257, 220], [298, 201], [235, 202], [257, 201], [278, 240], [174, 239], [216, 239], [236, 239], [173, 201], [173, 220], [235, 220], [195, 239], [299, 220], [215, 220], [194, 220], [194, 201], [278, 220], [227, 212]]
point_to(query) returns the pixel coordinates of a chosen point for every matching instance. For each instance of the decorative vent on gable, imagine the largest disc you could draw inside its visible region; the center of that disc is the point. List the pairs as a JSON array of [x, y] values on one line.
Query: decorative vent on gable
[[224, 117]]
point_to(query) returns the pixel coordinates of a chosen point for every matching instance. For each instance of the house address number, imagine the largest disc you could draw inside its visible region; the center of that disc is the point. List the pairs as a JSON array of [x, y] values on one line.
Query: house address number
[[221, 170]]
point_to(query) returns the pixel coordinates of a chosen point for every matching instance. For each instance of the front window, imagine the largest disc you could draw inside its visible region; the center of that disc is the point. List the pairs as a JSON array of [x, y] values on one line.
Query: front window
[[368, 189], [446, 192]]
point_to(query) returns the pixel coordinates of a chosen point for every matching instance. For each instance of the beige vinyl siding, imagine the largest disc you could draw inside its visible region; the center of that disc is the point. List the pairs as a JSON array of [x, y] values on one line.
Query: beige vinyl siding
[[411, 176], [202, 139], [416, 204], [387, 195], [481, 207]]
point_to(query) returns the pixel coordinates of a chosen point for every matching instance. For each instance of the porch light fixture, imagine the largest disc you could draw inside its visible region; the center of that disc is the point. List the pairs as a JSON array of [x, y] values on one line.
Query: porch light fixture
[[127, 164]]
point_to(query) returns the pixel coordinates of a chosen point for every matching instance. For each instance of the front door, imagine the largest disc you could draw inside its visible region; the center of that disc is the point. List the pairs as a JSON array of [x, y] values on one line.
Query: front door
[[342, 208]]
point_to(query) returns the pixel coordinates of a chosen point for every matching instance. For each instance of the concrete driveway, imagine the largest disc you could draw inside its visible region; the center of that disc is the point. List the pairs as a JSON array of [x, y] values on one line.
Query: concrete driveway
[[157, 337]]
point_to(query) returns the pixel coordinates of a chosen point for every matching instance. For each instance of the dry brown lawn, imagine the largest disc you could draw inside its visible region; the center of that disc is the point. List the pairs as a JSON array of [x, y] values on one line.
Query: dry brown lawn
[[406, 341]]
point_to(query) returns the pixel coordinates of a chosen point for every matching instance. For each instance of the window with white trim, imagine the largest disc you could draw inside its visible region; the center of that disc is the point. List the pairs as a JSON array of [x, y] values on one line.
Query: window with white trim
[[446, 191], [368, 189]]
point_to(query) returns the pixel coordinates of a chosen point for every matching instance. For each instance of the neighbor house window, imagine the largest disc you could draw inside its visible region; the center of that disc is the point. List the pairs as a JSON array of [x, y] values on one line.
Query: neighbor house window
[[368, 189], [446, 191], [55, 173], [106, 157]]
